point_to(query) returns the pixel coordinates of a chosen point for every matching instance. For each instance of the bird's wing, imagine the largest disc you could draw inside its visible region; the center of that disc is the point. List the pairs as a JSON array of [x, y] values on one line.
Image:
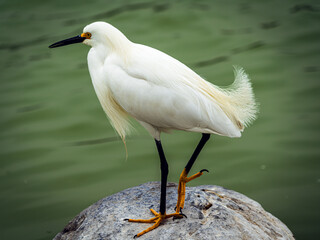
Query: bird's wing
[[154, 104], [150, 91], [157, 67]]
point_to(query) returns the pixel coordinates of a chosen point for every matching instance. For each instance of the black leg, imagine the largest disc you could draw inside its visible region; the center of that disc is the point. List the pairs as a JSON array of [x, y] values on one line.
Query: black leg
[[159, 217], [204, 139], [164, 176]]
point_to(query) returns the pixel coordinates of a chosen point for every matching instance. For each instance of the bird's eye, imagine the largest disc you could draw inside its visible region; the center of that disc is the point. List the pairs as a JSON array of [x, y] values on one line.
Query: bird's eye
[[86, 35]]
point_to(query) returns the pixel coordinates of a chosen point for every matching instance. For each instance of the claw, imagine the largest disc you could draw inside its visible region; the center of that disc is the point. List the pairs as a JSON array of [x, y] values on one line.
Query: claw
[[126, 219], [135, 236], [178, 217], [181, 211], [174, 218], [204, 170], [182, 214]]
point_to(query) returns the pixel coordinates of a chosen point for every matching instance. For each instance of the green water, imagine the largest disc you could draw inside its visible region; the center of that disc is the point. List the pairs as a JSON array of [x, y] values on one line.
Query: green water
[[59, 154]]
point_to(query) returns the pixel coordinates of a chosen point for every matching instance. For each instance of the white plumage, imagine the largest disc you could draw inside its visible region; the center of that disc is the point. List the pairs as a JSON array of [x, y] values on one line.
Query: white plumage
[[159, 91], [162, 94]]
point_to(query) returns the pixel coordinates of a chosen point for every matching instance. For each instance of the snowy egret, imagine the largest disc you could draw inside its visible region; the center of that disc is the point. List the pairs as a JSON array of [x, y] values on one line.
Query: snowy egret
[[162, 94]]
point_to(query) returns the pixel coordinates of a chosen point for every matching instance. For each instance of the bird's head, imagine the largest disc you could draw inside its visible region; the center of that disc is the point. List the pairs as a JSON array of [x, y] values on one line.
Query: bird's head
[[94, 34]]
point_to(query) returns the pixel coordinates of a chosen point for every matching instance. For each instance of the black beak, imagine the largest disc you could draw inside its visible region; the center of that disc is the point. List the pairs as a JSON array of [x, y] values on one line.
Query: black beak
[[77, 39]]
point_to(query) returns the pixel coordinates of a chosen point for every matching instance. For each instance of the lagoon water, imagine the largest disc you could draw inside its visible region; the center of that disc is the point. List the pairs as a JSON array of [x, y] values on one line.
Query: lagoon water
[[59, 154]]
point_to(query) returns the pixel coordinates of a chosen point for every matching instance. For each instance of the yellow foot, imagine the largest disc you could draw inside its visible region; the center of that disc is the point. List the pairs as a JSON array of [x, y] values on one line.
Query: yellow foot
[[156, 220], [182, 187]]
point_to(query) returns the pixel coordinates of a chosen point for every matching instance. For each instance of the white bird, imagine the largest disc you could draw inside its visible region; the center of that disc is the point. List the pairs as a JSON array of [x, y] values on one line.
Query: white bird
[[162, 94]]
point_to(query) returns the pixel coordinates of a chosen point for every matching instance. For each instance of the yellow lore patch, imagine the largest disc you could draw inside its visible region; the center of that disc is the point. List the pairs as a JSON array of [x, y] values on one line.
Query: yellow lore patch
[[86, 35]]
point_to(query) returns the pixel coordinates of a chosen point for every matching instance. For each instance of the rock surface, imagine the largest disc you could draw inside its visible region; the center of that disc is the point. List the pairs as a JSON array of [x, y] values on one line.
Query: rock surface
[[213, 213]]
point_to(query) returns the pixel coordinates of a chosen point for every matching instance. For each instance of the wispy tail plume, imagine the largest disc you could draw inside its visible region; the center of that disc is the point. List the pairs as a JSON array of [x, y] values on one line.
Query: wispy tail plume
[[241, 98]]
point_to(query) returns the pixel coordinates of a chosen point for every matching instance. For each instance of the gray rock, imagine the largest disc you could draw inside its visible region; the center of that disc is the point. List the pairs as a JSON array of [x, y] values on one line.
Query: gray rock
[[213, 213]]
